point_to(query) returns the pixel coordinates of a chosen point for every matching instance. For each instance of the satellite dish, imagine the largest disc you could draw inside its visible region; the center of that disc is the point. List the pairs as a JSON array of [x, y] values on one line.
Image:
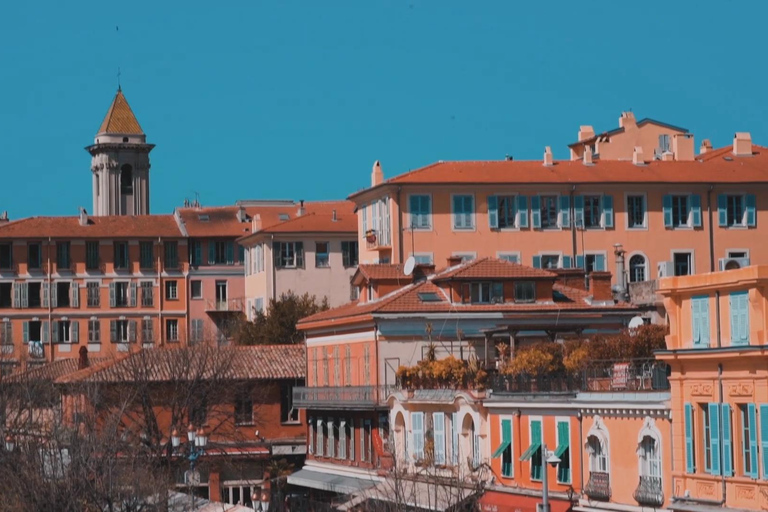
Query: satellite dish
[[410, 264], [636, 322]]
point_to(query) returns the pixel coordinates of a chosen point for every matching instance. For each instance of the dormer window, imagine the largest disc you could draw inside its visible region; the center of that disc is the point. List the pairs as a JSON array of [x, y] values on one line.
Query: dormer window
[[483, 293], [525, 291]]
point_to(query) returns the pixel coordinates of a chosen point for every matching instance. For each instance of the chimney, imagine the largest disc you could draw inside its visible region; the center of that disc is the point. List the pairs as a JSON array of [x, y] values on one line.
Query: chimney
[[256, 223], [586, 132], [682, 146], [667, 156], [706, 145], [302, 210], [241, 214], [621, 285], [4, 217], [333, 216], [377, 175], [83, 359], [548, 156], [742, 144], [454, 260], [422, 271], [587, 159], [637, 156], [627, 120], [572, 277], [600, 286], [83, 217]]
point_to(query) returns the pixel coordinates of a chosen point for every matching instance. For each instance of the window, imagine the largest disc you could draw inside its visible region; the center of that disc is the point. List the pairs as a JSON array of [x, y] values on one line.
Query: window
[[322, 256], [6, 295], [505, 449], [650, 458], [547, 261], [93, 291], [198, 411], [63, 260], [749, 440], [548, 211], [319, 442], [592, 212], [197, 289], [243, 407], [147, 330], [120, 331], [147, 294], [288, 414], [171, 290], [679, 211], [463, 212], [120, 290], [94, 331], [91, 255], [421, 211], [512, 257], [34, 294], [637, 268], [739, 305], [636, 212], [417, 429], [126, 179], [484, 293], [121, 255], [682, 263], [35, 331], [663, 143], [172, 329], [502, 211], [221, 252], [563, 452], [422, 258], [349, 254], [598, 455], [62, 294], [171, 255], [533, 453], [594, 263], [146, 255], [35, 255], [736, 210], [6, 256], [525, 291], [61, 331], [289, 255], [707, 427], [700, 321]]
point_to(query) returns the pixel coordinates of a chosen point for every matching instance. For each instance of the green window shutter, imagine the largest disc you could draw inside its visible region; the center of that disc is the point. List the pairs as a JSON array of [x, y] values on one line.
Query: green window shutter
[[764, 438], [565, 211], [537, 262], [535, 212], [578, 211], [607, 211], [567, 261], [722, 210], [493, 212], [727, 442], [506, 438], [211, 252], [689, 455], [438, 422], [536, 470], [580, 261], [749, 199], [458, 217], [112, 296], [714, 438], [739, 317], [667, 208], [522, 211], [230, 252], [695, 201], [754, 473], [600, 262], [45, 295]]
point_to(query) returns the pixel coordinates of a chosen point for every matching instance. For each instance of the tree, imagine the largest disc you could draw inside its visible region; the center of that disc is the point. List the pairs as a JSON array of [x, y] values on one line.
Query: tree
[[278, 325]]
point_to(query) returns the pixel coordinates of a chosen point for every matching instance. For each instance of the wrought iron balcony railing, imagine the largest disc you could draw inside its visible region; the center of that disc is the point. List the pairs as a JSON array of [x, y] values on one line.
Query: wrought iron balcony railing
[[598, 487], [233, 305], [649, 492], [341, 397]]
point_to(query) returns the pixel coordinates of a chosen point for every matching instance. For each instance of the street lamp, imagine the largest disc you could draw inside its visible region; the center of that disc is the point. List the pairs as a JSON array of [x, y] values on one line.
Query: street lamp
[[550, 458], [9, 443], [264, 500]]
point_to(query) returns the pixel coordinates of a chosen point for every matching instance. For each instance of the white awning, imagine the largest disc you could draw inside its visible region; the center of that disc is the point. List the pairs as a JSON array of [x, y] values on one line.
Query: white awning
[[330, 482]]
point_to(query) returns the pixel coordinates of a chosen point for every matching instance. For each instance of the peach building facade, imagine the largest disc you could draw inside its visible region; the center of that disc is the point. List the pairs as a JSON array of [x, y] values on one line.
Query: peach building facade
[[716, 349]]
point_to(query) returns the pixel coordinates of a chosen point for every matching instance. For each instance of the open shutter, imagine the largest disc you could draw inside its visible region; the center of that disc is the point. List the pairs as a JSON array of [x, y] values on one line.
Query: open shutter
[[695, 201], [24, 287], [132, 331], [600, 262], [714, 437], [689, 456], [113, 331], [133, 292], [16, 295], [695, 320], [737, 306], [300, 254], [722, 210], [567, 261], [506, 439], [536, 212], [727, 443], [351, 439], [537, 261], [75, 332], [565, 211], [704, 321], [580, 261], [754, 472], [764, 438], [230, 253], [25, 332], [74, 299], [417, 426], [455, 438], [112, 300], [536, 471], [578, 211], [211, 251], [493, 212], [54, 295], [44, 329], [522, 211], [55, 331], [607, 211], [438, 420], [45, 292], [751, 212], [667, 208]]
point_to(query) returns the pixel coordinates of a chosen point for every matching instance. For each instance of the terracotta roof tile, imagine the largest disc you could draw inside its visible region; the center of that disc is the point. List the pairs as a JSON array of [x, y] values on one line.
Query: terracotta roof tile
[[229, 363], [54, 370], [320, 220], [120, 118], [115, 226], [493, 268], [382, 272]]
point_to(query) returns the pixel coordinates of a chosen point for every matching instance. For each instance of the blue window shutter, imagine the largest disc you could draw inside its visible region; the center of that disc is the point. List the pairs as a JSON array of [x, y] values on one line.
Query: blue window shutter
[[426, 212], [722, 210], [600, 262], [198, 252], [695, 201], [689, 456], [764, 438], [522, 211], [695, 322], [578, 211], [754, 473], [211, 252], [565, 211], [667, 207], [714, 437], [727, 443], [607, 211], [537, 262], [535, 212], [230, 253], [493, 212], [457, 211], [749, 199], [739, 317], [567, 261], [579, 261], [413, 205], [25, 332]]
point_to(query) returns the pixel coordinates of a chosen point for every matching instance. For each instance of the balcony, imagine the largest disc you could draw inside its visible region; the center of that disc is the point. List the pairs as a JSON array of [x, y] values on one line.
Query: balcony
[[225, 306], [635, 375], [643, 293], [375, 240], [598, 487], [342, 397], [649, 492]]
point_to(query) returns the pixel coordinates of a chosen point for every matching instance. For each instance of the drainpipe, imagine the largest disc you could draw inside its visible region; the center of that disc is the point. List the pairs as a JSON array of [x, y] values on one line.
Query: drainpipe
[[187, 312], [159, 294], [722, 422], [274, 271], [50, 297], [580, 417], [400, 224], [573, 225], [711, 231]]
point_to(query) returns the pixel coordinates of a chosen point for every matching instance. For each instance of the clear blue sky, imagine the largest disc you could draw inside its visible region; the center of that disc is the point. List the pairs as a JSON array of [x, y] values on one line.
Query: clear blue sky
[[289, 99]]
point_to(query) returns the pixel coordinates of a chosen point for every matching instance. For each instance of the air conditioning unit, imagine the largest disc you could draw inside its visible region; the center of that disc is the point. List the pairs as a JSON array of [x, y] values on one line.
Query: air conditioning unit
[[733, 263], [665, 269]]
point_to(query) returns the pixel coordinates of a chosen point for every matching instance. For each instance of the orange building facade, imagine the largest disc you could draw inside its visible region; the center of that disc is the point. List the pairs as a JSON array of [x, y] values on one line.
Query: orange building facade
[[716, 349]]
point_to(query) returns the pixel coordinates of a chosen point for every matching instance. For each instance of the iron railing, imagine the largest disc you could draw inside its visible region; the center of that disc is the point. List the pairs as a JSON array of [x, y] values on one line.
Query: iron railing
[[234, 305], [599, 486], [649, 492], [599, 376], [341, 397]]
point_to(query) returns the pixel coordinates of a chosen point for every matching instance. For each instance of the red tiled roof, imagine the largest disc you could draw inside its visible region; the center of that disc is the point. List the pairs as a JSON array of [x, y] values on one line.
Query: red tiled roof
[[114, 226], [319, 219], [382, 272], [722, 167], [173, 364], [492, 268], [54, 370], [120, 118]]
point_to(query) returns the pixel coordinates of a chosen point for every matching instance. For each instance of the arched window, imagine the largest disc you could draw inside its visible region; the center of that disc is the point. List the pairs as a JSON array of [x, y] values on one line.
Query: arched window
[[650, 458], [472, 434], [126, 179], [598, 455], [637, 268]]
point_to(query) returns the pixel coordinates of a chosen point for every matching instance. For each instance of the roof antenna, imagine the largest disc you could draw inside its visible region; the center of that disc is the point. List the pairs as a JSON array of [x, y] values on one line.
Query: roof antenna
[[119, 88]]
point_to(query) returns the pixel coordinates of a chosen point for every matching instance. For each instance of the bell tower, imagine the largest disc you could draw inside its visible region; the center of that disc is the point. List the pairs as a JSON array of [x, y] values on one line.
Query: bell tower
[[120, 163]]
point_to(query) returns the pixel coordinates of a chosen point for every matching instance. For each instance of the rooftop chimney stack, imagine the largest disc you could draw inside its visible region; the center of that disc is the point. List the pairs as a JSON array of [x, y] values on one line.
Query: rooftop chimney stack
[[637, 156], [586, 132], [83, 359], [333, 216], [256, 223], [454, 261], [587, 159], [682, 146], [4, 217], [302, 210], [83, 217], [241, 214], [548, 161], [742, 144], [706, 145], [627, 120], [377, 175]]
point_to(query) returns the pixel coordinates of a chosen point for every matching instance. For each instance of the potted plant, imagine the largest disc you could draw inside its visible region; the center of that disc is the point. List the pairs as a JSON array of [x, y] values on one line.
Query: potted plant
[[370, 236]]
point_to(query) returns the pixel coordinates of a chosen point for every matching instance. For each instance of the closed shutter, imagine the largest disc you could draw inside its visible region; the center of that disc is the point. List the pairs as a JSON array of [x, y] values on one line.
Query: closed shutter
[[522, 211], [132, 331], [493, 212], [704, 321], [689, 455], [25, 332], [113, 331], [230, 253], [537, 261], [75, 295], [44, 328], [764, 439], [16, 295], [567, 261], [536, 212], [754, 472], [667, 209], [727, 443], [751, 212], [438, 420], [739, 318], [695, 201], [565, 211], [24, 295], [112, 296], [722, 210], [714, 437], [299, 248], [133, 293], [607, 211], [54, 295], [211, 252], [55, 331], [417, 425], [45, 299], [580, 261]]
